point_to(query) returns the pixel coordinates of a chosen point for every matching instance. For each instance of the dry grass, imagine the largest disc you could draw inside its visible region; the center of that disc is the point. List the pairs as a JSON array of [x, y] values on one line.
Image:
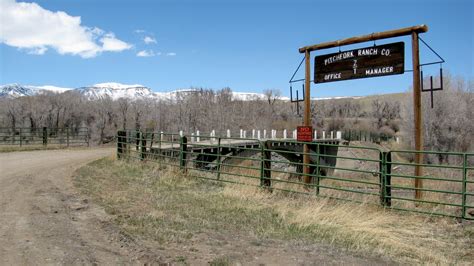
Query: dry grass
[[332, 187], [360, 170], [159, 203], [12, 148], [362, 227]]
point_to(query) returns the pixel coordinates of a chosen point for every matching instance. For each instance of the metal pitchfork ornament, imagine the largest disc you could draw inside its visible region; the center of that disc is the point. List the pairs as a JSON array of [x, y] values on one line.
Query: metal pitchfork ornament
[[297, 100], [432, 89]]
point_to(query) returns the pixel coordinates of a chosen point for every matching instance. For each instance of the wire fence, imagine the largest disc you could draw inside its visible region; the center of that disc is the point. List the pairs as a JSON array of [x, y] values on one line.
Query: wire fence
[[353, 173], [63, 137]]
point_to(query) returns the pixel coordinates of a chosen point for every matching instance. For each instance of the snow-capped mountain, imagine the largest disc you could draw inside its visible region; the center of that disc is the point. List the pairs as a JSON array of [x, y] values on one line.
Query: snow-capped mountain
[[93, 92], [116, 91], [247, 96], [51, 89], [16, 90], [336, 98], [242, 96]]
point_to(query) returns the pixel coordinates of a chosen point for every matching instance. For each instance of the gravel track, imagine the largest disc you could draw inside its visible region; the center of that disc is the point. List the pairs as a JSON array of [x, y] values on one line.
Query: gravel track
[[45, 220]]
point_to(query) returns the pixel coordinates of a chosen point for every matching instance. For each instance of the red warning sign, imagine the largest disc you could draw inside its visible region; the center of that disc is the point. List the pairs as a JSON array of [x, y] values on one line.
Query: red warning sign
[[304, 133]]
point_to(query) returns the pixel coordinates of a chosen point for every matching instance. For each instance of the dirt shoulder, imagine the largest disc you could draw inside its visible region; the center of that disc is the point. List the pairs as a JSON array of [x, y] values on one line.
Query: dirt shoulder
[[44, 220]]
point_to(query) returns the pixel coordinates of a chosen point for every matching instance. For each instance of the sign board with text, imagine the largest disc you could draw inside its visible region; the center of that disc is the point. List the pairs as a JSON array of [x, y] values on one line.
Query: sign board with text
[[368, 62], [304, 133]]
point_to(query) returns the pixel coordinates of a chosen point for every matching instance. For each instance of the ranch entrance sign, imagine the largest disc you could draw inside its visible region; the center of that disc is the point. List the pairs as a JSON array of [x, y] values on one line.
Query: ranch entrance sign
[[368, 62], [364, 63]]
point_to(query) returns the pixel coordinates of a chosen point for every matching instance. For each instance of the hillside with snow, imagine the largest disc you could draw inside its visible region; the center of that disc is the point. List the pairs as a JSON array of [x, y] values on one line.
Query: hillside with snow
[[16, 90], [113, 90], [117, 90]]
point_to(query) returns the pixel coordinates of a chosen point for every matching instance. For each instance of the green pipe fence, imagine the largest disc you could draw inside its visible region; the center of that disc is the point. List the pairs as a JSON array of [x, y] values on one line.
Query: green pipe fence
[[358, 135], [43, 136], [352, 173]]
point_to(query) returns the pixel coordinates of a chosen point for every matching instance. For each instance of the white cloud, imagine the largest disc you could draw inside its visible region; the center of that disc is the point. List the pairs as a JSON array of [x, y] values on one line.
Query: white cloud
[[149, 40], [110, 43], [139, 31], [146, 53], [170, 54], [30, 27]]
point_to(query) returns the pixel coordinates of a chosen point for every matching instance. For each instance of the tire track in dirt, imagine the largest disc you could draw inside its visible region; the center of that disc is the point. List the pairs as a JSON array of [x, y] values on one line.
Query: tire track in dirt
[[44, 220]]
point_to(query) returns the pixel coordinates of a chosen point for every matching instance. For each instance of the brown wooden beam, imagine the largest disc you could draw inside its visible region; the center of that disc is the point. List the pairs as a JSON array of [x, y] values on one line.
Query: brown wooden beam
[[418, 132], [307, 115], [365, 38]]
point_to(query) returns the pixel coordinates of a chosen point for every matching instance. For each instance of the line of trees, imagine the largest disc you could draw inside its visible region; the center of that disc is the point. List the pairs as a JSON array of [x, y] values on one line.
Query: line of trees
[[448, 126]]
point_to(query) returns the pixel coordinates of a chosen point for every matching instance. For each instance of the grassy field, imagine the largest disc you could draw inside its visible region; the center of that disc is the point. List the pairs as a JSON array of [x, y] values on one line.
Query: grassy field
[[171, 210]]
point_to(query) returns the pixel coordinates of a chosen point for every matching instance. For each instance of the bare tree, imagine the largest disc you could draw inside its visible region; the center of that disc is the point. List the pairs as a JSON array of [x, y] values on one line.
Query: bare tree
[[123, 106], [272, 95], [103, 113], [448, 125], [385, 112]]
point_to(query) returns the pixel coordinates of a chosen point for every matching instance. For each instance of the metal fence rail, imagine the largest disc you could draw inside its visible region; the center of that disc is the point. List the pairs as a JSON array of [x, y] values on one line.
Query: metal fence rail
[[358, 135], [44, 136], [447, 186], [354, 173]]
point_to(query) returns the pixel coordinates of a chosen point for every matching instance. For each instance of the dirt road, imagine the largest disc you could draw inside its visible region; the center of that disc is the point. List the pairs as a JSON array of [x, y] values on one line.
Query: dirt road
[[44, 220]]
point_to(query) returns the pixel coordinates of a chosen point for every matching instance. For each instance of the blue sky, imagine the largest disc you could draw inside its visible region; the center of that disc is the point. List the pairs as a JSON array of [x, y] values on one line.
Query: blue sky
[[248, 46]]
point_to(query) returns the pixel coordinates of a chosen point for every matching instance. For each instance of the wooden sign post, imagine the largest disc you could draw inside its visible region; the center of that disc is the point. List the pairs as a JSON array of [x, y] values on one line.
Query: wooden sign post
[[417, 114], [307, 116], [342, 71]]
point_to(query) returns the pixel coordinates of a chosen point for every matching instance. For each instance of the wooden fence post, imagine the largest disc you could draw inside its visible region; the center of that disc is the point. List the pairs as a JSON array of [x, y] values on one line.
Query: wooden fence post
[[120, 143], [67, 136], [45, 136], [88, 137], [143, 146], [218, 166], [137, 139], [182, 154]]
